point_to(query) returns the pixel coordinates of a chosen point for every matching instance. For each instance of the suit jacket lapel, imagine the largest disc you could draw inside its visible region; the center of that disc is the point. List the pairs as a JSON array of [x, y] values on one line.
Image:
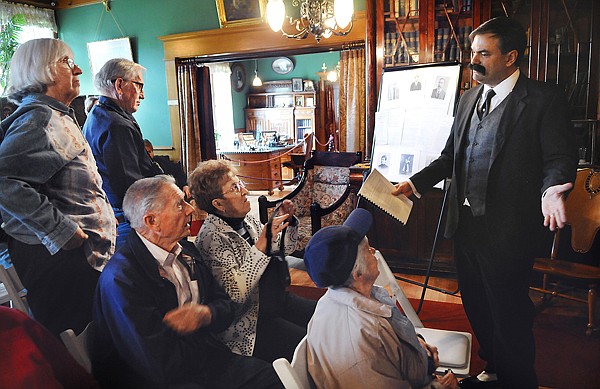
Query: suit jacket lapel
[[515, 105]]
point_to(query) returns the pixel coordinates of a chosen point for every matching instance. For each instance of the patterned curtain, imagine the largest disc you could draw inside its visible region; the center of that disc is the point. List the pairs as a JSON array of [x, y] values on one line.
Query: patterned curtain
[[38, 17], [197, 133], [352, 100]]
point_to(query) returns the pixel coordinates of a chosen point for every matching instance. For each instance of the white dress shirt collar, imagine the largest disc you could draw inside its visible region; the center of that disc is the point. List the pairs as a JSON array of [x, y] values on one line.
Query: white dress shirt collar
[[502, 90]]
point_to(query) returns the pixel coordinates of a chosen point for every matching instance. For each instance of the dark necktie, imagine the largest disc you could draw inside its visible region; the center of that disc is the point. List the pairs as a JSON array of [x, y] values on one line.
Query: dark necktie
[[484, 109]]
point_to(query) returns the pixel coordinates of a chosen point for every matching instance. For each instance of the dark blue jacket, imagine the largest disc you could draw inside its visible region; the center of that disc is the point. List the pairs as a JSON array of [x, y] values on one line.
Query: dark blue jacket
[[118, 146], [132, 347]]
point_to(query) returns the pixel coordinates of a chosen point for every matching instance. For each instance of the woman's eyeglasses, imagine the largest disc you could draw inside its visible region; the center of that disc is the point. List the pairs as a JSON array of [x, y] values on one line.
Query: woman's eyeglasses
[[236, 187], [70, 63]]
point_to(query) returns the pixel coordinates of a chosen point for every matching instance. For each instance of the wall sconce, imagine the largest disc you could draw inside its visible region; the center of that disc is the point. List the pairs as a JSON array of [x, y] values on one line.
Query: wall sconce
[[257, 81], [322, 18]]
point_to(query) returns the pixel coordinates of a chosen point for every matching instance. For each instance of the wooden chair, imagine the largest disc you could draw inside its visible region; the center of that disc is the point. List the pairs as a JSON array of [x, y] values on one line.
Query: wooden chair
[[13, 290], [583, 215], [79, 345], [323, 197]]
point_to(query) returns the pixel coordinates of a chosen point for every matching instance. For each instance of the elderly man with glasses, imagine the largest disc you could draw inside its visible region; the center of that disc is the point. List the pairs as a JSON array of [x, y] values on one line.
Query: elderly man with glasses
[[60, 227], [115, 137]]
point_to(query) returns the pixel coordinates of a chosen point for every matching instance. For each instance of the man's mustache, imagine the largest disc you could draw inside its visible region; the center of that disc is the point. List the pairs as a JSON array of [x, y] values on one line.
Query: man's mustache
[[478, 68]]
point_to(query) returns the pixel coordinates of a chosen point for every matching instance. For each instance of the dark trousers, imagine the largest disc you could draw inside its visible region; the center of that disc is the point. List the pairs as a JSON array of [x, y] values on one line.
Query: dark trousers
[[60, 287], [244, 372], [494, 285], [278, 333]]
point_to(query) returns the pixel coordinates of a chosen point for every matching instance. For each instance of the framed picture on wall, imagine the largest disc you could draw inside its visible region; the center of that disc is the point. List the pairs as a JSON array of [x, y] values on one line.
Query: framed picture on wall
[[100, 52], [296, 85], [238, 77], [240, 12]]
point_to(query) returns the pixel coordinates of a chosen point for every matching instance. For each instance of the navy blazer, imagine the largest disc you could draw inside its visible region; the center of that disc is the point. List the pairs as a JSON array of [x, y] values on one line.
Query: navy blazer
[[534, 149], [132, 347]]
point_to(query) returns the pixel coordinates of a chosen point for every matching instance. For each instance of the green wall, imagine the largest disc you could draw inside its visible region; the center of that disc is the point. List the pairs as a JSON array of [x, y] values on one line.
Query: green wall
[[144, 21], [306, 67]]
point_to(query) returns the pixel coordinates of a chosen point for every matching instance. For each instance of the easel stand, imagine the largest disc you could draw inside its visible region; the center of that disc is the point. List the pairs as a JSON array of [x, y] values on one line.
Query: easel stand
[[438, 228]]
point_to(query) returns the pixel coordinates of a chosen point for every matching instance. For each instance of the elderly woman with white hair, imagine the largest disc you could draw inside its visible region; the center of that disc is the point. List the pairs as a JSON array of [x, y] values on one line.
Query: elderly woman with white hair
[[116, 138], [61, 229]]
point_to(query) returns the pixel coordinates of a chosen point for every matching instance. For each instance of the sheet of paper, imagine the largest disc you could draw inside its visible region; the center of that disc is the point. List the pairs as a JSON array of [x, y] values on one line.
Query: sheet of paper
[[378, 190]]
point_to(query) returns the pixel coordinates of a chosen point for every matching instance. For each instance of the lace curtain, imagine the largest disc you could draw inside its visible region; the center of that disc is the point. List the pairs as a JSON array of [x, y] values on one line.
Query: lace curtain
[[37, 17], [220, 77]]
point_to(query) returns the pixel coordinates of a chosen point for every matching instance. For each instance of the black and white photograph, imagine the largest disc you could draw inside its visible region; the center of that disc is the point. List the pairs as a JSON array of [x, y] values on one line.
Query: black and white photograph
[[296, 84], [439, 92], [406, 163]]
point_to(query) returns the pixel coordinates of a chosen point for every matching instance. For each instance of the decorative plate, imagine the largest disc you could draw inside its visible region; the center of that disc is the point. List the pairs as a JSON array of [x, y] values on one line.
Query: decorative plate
[[282, 65]]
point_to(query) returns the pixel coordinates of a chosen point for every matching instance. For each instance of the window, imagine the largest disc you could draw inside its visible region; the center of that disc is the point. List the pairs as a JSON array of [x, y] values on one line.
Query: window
[[220, 81]]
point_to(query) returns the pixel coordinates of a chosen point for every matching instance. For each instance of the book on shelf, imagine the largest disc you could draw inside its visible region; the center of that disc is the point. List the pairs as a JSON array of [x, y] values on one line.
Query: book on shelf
[[378, 190]]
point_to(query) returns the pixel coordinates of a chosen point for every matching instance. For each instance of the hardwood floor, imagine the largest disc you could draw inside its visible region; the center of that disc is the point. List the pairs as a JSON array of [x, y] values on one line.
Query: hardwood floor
[[557, 306]]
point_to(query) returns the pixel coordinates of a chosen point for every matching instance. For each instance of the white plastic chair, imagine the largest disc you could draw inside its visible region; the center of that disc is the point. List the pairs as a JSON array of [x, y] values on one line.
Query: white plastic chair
[[454, 347], [78, 345], [295, 375], [13, 290]]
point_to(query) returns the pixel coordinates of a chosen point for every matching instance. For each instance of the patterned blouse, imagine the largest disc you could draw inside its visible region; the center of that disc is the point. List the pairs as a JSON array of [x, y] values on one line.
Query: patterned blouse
[[237, 266]]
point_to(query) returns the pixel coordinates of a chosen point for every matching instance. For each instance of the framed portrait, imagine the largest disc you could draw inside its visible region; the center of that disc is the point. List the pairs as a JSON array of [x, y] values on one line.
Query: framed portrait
[[296, 85], [299, 101], [240, 12], [100, 52], [238, 77]]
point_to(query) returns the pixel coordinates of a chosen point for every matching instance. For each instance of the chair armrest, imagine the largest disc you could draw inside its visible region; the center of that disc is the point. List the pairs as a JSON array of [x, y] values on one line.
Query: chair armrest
[[264, 204]]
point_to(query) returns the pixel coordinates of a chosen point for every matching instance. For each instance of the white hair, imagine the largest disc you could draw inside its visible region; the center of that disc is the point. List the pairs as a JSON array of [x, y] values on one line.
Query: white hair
[[31, 66], [113, 69], [360, 265], [145, 195]]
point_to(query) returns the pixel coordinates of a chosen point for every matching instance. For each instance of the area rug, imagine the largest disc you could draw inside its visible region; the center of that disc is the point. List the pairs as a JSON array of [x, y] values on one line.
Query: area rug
[[566, 357]]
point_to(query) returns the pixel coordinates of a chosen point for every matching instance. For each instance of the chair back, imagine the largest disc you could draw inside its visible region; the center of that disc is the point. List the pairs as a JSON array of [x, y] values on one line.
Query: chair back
[[323, 197], [583, 210], [454, 347], [13, 290], [79, 345], [295, 375]]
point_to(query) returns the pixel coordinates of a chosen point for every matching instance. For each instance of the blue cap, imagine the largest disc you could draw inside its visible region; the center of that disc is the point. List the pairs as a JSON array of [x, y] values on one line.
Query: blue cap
[[331, 252]]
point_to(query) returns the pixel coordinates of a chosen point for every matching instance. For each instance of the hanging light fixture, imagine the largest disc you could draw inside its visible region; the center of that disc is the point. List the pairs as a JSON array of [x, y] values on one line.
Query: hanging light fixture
[[322, 18], [257, 81]]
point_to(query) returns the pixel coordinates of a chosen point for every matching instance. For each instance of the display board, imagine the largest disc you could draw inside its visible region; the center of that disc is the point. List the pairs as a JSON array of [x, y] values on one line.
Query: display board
[[414, 118]]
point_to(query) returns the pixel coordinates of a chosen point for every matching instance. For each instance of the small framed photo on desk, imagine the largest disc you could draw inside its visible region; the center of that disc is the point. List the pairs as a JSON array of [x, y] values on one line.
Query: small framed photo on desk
[[299, 101], [296, 85]]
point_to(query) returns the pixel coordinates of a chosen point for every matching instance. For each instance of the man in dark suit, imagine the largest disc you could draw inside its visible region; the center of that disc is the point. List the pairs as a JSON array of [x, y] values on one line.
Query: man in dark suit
[[158, 309], [509, 158]]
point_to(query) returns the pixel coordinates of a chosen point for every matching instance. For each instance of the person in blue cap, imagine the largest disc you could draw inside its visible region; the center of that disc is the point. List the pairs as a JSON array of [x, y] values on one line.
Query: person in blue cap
[[357, 337]]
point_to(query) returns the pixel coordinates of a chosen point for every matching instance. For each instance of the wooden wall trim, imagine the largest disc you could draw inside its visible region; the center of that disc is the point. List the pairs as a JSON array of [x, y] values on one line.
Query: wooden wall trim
[[64, 4], [250, 40]]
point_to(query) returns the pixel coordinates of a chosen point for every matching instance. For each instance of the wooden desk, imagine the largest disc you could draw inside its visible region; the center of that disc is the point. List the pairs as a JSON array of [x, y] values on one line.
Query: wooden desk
[[259, 169]]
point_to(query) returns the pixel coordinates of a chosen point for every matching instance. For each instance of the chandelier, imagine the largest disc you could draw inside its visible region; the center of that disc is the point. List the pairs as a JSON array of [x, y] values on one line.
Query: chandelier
[[322, 18]]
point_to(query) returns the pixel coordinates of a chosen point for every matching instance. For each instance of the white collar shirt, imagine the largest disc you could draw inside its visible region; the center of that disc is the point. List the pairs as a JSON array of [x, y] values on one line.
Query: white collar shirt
[[177, 273], [502, 90]]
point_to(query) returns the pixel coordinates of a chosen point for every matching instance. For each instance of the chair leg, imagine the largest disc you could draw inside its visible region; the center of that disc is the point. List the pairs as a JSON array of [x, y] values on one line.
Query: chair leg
[[591, 304]]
